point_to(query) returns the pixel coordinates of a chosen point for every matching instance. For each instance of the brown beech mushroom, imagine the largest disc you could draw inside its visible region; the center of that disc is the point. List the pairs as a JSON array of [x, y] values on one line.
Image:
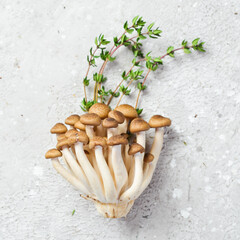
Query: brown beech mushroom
[[71, 120], [139, 126], [148, 158], [158, 122], [119, 169], [78, 140], [70, 159], [80, 126], [118, 116], [53, 154], [111, 125], [98, 143], [102, 111], [90, 120], [129, 113], [136, 150], [58, 128]]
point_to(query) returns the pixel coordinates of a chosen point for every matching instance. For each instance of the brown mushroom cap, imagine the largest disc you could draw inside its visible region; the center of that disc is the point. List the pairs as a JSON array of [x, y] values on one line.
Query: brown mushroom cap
[[78, 137], [117, 140], [135, 148], [127, 110], [79, 125], [72, 119], [91, 119], [62, 143], [58, 128], [138, 125], [53, 153], [109, 123], [118, 116], [157, 121], [61, 136], [148, 157], [70, 132], [100, 109], [97, 141]]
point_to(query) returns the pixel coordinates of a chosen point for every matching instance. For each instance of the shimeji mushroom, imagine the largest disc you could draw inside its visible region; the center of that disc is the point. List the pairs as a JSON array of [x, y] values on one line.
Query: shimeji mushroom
[[60, 129], [139, 126], [90, 120], [118, 116], [98, 143], [102, 111], [119, 169], [53, 154], [129, 113], [71, 120], [136, 150], [80, 126], [148, 158], [78, 140], [158, 122], [76, 169]]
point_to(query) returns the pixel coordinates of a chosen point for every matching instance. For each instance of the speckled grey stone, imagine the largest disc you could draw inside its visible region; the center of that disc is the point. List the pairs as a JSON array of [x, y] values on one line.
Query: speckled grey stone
[[195, 191]]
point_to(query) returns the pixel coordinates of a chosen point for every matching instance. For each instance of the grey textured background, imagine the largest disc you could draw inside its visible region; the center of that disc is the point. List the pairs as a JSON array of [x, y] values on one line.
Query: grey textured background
[[195, 191]]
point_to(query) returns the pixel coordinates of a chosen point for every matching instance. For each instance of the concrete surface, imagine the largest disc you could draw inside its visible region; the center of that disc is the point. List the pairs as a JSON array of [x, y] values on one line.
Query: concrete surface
[[196, 188]]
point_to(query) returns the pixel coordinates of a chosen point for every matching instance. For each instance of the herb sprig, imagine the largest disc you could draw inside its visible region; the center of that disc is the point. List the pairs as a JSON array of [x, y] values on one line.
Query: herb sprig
[[140, 32]]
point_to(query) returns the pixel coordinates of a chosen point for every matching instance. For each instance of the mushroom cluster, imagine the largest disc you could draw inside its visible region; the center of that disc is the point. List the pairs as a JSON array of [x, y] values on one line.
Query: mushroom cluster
[[103, 155]]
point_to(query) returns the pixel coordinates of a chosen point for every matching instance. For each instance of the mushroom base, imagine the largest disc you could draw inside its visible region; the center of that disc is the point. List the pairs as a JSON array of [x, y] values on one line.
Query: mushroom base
[[114, 210]]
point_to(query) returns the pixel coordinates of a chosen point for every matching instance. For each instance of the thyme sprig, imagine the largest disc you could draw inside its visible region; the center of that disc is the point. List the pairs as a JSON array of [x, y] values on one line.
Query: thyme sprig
[[140, 32]]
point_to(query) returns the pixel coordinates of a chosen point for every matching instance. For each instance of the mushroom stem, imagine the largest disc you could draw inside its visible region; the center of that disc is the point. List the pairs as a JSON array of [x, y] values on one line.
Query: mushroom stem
[[89, 171], [122, 128], [155, 151], [101, 131], [111, 132], [90, 132], [77, 170], [119, 169], [110, 190], [69, 177], [128, 158], [130, 193]]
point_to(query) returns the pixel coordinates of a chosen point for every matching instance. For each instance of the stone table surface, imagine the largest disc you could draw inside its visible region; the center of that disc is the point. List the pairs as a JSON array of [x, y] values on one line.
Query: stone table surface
[[195, 191]]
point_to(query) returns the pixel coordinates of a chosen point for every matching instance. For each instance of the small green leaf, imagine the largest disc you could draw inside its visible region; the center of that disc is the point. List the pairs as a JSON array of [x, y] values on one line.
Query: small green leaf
[[170, 49], [150, 26], [134, 20], [139, 111], [186, 50], [96, 41], [73, 212], [195, 41]]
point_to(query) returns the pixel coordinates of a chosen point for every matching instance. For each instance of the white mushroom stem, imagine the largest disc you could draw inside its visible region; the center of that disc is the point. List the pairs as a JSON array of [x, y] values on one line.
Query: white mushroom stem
[[77, 170], [128, 158], [122, 128], [89, 131], [119, 169], [109, 188], [130, 193], [89, 171], [141, 138], [69, 177], [111, 132], [155, 151]]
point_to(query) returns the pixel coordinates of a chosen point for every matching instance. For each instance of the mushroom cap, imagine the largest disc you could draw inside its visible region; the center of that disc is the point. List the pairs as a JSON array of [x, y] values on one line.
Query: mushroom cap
[[62, 143], [135, 148], [70, 132], [79, 125], [61, 136], [148, 157], [53, 153], [100, 109], [157, 121], [72, 119], [58, 128], [97, 141], [127, 110], [78, 137], [91, 119], [117, 140], [118, 116], [109, 123], [138, 125]]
